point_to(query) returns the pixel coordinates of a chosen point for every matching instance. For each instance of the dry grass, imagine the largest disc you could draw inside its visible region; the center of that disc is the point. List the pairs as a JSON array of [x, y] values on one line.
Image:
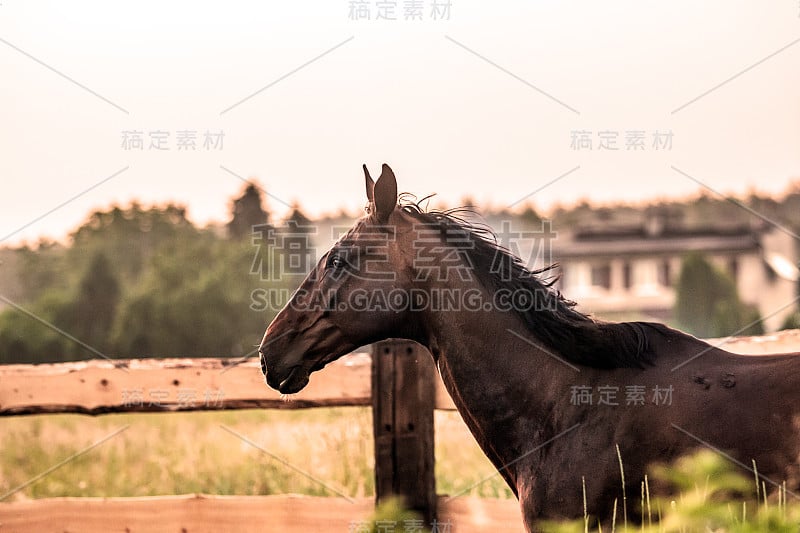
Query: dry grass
[[180, 453]]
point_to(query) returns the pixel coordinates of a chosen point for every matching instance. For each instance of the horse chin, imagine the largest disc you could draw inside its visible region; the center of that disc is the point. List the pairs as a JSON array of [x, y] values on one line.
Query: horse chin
[[294, 382], [298, 377]]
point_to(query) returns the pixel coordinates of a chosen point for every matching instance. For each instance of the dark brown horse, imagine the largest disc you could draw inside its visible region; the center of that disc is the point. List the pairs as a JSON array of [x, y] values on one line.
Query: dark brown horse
[[550, 394]]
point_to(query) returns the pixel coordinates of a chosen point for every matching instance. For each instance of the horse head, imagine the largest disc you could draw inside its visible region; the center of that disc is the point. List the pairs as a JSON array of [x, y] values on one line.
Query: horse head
[[343, 303]]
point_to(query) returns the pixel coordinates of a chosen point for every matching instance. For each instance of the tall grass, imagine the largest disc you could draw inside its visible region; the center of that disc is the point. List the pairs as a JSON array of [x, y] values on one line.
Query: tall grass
[[180, 453], [710, 494]]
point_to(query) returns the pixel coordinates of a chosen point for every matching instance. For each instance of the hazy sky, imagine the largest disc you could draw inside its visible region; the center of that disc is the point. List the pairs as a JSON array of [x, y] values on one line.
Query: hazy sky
[[484, 104]]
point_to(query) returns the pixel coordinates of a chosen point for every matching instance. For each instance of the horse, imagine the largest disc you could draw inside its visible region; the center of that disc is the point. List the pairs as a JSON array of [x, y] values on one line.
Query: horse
[[517, 373]]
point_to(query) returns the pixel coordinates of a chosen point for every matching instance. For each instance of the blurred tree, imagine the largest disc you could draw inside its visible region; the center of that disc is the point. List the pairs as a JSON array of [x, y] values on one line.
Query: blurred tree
[[792, 321], [299, 220], [297, 244], [128, 237], [140, 282], [530, 215], [707, 303], [85, 313], [25, 339], [166, 312], [77, 288], [92, 311], [194, 301], [246, 213], [40, 269]]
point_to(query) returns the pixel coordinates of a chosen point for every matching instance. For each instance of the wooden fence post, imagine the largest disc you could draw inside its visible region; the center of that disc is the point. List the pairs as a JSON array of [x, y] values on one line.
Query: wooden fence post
[[403, 400]]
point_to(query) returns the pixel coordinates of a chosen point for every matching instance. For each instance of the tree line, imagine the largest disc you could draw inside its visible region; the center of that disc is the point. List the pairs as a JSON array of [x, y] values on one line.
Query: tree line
[[141, 282]]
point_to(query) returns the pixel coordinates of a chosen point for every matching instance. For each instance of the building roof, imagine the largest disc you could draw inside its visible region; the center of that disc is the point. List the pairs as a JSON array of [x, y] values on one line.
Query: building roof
[[641, 240]]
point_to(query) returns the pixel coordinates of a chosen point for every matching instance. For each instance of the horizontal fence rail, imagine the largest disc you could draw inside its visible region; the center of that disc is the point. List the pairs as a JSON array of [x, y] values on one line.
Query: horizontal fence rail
[[150, 385], [242, 514]]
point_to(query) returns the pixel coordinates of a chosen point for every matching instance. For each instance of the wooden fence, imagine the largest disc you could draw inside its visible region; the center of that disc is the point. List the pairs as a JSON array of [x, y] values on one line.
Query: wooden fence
[[398, 380], [406, 390]]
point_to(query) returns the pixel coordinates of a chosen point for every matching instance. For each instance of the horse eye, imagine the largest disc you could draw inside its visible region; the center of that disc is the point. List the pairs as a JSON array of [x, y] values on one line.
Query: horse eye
[[336, 262]]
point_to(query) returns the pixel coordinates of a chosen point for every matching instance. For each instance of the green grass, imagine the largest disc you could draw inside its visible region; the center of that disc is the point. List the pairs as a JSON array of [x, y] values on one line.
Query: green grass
[[710, 495], [179, 453]]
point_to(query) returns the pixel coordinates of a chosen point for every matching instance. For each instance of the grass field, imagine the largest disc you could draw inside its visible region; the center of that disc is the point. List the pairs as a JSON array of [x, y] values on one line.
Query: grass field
[[179, 453], [199, 452]]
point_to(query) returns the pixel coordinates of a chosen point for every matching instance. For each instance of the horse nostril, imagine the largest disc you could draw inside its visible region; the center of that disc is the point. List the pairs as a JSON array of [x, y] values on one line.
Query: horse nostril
[[263, 365]]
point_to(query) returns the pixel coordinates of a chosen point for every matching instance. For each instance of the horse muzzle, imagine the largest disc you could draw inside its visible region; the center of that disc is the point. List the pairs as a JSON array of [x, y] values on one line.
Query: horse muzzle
[[287, 380]]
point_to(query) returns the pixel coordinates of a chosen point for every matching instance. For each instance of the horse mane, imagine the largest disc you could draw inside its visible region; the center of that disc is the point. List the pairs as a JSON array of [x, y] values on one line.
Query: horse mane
[[552, 319]]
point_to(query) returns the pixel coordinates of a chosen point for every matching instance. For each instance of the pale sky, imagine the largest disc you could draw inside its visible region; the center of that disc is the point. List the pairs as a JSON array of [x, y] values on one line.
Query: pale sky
[[482, 105]]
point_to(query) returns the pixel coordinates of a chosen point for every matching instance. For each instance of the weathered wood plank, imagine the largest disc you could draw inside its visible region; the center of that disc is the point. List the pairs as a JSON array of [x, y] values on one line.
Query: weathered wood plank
[[146, 385], [200, 513], [150, 385], [190, 513]]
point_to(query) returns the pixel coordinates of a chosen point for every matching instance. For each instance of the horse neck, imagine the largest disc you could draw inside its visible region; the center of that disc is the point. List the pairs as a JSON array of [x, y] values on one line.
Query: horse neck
[[500, 384]]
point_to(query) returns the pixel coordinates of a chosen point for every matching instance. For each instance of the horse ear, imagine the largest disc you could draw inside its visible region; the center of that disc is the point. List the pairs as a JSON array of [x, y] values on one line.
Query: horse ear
[[370, 184], [385, 193]]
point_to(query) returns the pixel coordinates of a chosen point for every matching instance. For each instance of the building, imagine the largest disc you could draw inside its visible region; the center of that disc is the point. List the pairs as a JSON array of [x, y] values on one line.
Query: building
[[627, 271]]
